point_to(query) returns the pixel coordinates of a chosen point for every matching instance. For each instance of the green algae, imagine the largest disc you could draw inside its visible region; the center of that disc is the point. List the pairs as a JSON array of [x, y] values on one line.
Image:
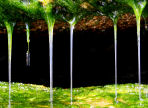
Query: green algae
[[30, 96], [17, 10]]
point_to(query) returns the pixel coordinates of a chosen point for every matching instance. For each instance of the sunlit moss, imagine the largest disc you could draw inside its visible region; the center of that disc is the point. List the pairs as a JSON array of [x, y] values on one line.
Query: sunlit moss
[[29, 95], [21, 10], [45, 2]]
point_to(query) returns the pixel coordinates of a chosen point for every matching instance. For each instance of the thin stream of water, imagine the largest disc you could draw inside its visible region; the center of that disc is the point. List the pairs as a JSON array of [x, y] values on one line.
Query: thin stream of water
[[71, 60], [50, 32], [146, 92], [139, 55], [51, 64], [9, 28], [138, 8], [115, 49], [28, 41], [51, 104], [9, 64], [72, 24]]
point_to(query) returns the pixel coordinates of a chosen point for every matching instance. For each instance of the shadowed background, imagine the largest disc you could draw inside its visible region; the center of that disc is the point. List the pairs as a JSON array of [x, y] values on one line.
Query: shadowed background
[[93, 60]]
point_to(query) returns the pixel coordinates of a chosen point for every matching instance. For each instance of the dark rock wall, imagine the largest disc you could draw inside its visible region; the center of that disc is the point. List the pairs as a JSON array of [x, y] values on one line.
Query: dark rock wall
[[93, 57]]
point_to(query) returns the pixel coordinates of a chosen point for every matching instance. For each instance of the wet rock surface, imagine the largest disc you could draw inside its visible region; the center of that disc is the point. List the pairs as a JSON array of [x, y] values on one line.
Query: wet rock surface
[[96, 23]]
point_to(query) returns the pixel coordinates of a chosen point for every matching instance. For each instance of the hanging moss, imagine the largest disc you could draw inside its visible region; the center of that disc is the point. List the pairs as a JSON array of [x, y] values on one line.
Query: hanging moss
[[69, 9], [23, 10], [16, 10], [145, 11]]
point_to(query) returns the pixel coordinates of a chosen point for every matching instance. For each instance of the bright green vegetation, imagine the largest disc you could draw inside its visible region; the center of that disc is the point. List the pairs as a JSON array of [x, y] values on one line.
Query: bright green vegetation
[[23, 10], [9, 27], [138, 7], [145, 14], [71, 11], [37, 96], [15, 10], [145, 11]]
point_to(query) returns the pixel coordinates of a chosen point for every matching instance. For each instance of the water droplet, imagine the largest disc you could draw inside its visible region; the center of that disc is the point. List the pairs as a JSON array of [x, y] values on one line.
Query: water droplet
[[142, 4], [115, 13], [28, 58], [146, 27]]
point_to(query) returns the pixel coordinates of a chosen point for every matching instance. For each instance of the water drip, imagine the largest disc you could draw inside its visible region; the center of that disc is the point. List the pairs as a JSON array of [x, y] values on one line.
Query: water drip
[[28, 42], [145, 23], [142, 4], [146, 27], [26, 2], [28, 58]]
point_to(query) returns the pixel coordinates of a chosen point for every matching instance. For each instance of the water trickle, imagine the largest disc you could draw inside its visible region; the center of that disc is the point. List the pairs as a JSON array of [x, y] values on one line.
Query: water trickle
[[9, 27], [28, 41], [146, 27], [145, 24], [115, 13], [26, 2], [50, 20], [139, 59], [142, 4], [147, 93], [27, 58], [72, 23], [50, 23], [51, 104], [138, 11], [115, 49]]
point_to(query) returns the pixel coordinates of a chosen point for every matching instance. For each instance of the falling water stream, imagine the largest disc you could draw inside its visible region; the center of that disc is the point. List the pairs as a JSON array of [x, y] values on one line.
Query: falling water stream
[[72, 24], [28, 41], [9, 27], [138, 8], [115, 49], [115, 20], [139, 55], [50, 22]]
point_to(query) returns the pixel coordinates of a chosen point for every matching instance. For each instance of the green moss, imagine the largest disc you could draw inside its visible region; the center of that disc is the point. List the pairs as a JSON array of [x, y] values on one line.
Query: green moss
[[17, 10], [71, 9], [30, 96], [145, 11], [9, 27]]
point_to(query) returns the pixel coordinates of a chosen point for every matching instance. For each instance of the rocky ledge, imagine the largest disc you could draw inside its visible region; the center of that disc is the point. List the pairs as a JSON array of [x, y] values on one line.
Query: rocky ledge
[[97, 23]]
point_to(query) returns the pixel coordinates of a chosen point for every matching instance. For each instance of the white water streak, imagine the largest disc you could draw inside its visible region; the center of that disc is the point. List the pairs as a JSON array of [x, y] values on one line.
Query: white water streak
[[50, 31], [71, 60], [115, 49]]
